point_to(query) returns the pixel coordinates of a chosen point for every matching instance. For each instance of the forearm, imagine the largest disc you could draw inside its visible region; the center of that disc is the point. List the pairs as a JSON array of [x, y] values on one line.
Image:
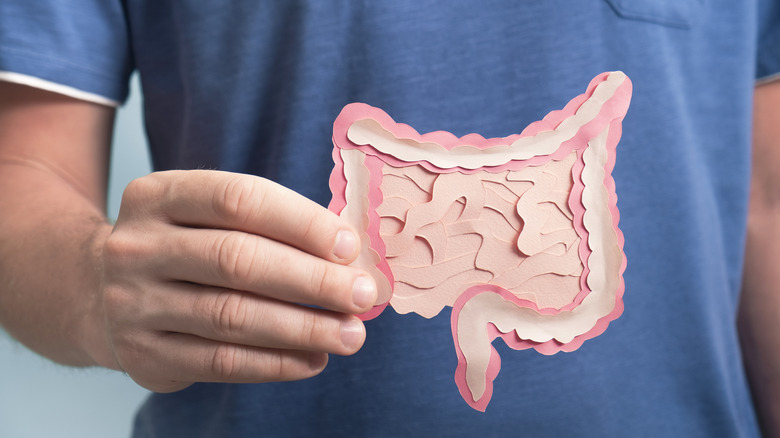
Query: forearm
[[53, 160], [759, 318], [759, 314], [51, 238]]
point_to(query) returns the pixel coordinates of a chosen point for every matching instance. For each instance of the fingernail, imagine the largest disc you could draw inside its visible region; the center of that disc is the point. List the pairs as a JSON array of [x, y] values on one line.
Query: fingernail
[[364, 292], [352, 334], [317, 361], [346, 245]]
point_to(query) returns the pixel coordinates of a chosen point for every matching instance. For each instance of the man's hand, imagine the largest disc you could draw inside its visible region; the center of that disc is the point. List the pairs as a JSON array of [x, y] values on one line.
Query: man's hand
[[206, 276], [203, 275]]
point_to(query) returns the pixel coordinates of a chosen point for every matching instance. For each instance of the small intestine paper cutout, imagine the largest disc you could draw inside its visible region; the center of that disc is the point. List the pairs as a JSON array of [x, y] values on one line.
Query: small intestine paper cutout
[[519, 235]]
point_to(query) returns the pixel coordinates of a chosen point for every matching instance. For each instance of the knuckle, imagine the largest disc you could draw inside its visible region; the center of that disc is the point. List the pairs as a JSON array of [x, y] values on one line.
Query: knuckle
[[123, 289], [229, 315], [309, 328], [116, 248], [236, 198], [227, 361], [116, 302], [122, 248], [131, 351], [140, 191], [276, 367], [322, 281], [236, 256], [309, 227]]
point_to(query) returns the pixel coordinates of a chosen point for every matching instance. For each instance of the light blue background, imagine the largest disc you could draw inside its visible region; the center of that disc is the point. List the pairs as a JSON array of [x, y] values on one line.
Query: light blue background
[[42, 399]]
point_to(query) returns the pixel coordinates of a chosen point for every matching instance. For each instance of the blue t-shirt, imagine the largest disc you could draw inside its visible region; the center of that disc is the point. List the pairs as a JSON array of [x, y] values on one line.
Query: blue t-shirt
[[255, 86]]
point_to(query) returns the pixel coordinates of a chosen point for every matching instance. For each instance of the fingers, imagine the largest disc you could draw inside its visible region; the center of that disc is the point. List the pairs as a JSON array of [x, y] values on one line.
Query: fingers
[[172, 361], [206, 277], [247, 262], [255, 205], [246, 319]]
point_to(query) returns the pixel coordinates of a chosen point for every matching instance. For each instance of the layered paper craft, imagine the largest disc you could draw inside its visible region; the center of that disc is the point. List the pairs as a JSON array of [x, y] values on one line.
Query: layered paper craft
[[519, 235]]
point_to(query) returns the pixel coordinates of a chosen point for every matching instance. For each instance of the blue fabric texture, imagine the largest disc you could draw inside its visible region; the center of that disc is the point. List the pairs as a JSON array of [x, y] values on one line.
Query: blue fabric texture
[[255, 86], [83, 44]]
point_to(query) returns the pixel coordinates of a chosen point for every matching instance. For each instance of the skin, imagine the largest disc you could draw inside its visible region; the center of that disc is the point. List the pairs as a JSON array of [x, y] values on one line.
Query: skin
[[201, 279], [759, 315]]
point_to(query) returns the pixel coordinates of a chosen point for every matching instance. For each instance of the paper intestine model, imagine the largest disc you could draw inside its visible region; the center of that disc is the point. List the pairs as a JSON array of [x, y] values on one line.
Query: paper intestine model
[[519, 235]]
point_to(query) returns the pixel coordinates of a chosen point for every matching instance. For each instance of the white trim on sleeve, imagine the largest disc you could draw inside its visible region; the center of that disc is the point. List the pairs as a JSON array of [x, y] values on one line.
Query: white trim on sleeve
[[54, 87], [768, 79]]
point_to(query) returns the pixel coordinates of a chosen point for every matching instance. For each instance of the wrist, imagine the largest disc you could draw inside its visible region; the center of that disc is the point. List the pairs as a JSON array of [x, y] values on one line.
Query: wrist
[[90, 330]]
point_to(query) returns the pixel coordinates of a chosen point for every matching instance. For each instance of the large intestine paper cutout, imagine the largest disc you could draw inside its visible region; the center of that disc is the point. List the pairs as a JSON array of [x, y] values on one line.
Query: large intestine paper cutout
[[518, 234]]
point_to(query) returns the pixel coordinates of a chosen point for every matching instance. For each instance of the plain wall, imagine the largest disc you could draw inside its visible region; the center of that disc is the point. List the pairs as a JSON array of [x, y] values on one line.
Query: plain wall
[[41, 399]]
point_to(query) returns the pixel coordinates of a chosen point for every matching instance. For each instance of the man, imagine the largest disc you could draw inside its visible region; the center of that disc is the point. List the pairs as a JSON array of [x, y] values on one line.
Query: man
[[202, 276]]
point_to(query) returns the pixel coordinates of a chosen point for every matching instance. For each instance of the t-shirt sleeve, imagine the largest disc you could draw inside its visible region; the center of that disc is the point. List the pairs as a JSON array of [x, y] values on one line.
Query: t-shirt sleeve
[[768, 59], [80, 45]]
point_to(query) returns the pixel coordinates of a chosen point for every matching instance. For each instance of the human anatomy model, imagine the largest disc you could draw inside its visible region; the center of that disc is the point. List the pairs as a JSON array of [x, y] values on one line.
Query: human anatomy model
[[519, 235]]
